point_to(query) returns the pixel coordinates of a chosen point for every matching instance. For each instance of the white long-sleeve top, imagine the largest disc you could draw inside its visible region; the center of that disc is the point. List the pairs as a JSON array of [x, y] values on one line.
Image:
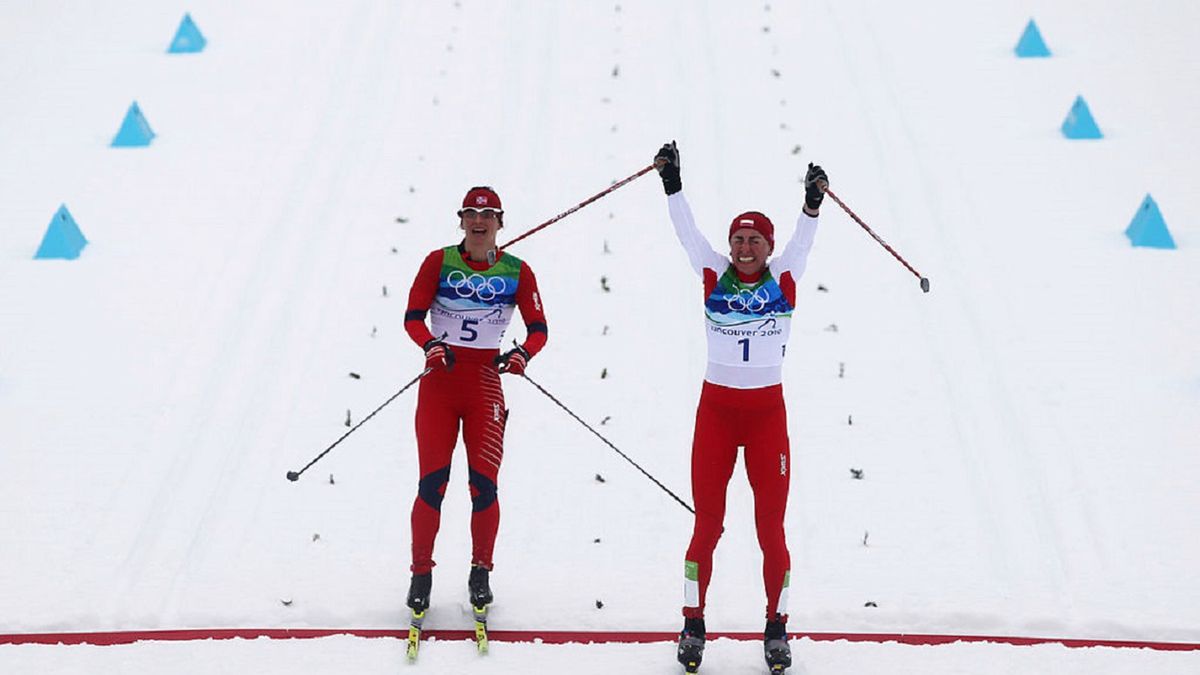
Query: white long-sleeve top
[[747, 323]]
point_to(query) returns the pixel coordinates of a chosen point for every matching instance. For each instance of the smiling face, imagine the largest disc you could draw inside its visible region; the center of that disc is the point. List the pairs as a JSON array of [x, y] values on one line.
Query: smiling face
[[749, 250], [480, 226]]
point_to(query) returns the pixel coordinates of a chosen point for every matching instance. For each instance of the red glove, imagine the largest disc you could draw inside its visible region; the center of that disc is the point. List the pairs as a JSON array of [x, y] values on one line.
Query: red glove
[[438, 355], [512, 361]]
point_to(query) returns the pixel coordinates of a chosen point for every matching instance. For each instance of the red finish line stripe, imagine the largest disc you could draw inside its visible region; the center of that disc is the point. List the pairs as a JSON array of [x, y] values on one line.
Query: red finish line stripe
[[105, 638]]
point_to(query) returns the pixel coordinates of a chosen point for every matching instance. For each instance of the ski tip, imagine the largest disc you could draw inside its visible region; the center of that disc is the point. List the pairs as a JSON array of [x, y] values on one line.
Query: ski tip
[[414, 636], [481, 638]]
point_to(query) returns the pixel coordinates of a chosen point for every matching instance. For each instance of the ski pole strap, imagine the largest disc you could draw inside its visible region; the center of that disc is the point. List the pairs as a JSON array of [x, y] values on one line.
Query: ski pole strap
[[924, 281], [580, 205], [394, 396], [609, 444]]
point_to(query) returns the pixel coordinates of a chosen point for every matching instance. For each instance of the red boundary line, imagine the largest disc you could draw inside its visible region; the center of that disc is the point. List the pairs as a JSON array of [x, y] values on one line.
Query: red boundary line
[[105, 638]]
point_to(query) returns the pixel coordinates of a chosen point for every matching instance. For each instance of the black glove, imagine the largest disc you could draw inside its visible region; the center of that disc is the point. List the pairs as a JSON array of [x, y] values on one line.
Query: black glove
[[512, 361], [668, 167], [815, 182], [438, 355]]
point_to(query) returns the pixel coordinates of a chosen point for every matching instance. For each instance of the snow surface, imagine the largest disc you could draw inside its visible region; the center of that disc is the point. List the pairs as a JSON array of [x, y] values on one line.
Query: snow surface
[[1028, 430]]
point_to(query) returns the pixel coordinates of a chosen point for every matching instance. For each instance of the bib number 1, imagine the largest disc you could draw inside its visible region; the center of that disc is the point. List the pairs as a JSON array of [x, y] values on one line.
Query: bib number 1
[[745, 343]]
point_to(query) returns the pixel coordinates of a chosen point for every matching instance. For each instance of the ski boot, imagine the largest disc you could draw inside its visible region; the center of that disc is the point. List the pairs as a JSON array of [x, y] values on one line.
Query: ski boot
[[418, 602], [776, 648], [691, 645], [480, 589], [481, 597], [418, 592]]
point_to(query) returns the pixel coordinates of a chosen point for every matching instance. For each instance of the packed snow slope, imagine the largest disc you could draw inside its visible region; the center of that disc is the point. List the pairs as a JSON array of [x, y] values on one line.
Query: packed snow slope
[[1027, 431]]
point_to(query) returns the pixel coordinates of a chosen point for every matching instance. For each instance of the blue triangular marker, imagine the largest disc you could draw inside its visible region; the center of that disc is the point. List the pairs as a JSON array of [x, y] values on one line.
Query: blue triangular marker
[[1079, 122], [62, 239], [1031, 43], [135, 130], [1148, 228], [188, 39]]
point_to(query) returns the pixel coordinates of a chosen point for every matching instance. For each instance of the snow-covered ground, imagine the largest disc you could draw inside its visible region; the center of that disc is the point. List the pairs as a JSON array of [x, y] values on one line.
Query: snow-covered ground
[[1028, 431], [378, 656]]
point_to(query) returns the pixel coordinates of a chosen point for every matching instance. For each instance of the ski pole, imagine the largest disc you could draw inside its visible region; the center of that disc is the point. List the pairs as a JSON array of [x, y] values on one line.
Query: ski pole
[[580, 205], [295, 475], [924, 280], [609, 444]]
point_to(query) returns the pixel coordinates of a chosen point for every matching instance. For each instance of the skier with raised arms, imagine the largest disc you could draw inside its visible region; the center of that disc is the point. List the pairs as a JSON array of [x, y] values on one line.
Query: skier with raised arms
[[748, 305], [468, 291]]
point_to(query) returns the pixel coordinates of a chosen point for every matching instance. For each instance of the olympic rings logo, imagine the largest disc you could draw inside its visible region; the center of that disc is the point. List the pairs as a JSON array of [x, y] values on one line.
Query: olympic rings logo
[[485, 288], [747, 301]]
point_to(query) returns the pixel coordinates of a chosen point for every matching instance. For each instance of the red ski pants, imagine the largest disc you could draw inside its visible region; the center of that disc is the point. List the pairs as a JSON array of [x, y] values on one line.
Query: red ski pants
[[756, 420], [469, 394]]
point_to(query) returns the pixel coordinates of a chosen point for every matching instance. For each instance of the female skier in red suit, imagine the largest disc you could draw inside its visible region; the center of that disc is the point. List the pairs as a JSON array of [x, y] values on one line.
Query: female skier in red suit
[[468, 292], [748, 306]]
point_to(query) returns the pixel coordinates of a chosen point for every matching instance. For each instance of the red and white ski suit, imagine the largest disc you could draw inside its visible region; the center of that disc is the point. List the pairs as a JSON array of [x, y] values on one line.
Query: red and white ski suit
[[747, 321], [471, 302]]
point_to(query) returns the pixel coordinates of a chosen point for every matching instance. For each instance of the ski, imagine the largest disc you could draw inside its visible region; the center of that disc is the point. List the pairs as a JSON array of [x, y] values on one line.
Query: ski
[[481, 636], [418, 603], [414, 634], [481, 598]]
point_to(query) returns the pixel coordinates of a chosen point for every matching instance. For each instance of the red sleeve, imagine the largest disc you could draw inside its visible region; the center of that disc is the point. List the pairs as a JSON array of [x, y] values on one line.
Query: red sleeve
[[529, 301], [788, 285], [710, 282], [420, 298]]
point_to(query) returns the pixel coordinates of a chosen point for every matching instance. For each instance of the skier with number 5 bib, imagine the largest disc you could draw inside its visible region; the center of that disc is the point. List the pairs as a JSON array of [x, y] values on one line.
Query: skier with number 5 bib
[[748, 306], [468, 291]]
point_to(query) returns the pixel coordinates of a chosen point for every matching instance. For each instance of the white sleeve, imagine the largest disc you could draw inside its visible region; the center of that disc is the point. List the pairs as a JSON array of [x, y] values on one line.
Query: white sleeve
[[795, 255], [699, 252]]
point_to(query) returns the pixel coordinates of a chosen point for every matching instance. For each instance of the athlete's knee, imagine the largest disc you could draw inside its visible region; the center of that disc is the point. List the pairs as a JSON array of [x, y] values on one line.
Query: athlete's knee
[[432, 488], [484, 493], [773, 543], [706, 533]]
